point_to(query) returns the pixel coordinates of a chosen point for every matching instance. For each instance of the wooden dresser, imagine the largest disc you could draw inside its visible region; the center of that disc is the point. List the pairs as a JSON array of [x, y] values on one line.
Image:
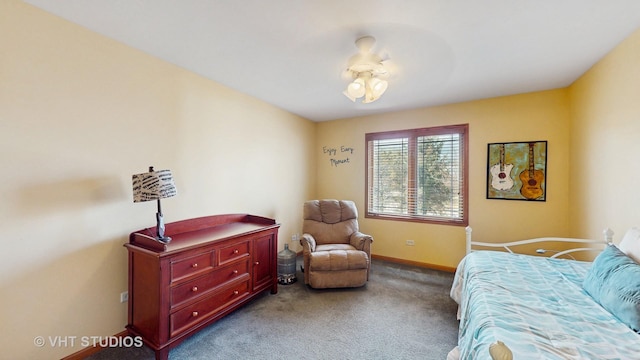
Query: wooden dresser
[[212, 266]]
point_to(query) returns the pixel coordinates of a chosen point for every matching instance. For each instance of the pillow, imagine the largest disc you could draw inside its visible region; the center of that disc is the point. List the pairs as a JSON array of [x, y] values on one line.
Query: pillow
[[613, 280], [630, 244]]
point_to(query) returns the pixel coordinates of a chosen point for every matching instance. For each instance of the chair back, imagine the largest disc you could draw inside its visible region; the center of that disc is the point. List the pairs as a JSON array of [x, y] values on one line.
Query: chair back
[[330, 221]]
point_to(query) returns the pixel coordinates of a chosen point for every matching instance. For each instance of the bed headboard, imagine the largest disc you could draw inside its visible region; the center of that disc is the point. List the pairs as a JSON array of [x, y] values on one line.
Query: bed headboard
[[607, 239]]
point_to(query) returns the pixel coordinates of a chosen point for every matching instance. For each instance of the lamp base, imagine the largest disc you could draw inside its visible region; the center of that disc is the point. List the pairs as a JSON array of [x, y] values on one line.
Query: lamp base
[[160, 227], [164, 239]]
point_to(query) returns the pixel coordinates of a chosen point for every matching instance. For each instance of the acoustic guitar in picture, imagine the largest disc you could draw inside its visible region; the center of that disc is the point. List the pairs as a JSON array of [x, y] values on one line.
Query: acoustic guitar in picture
[[501, 173], [531, 179]]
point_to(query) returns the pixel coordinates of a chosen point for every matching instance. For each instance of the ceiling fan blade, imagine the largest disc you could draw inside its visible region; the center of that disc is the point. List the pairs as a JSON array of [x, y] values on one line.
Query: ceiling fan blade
[[390, 65]]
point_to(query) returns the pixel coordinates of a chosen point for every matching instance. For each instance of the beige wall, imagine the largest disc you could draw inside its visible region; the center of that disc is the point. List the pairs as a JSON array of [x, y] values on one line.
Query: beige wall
[[536, 116], [605, 134], [79, 114]]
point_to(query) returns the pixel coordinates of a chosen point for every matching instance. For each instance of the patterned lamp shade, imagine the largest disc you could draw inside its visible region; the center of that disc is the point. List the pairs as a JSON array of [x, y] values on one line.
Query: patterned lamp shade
[[153, 185]]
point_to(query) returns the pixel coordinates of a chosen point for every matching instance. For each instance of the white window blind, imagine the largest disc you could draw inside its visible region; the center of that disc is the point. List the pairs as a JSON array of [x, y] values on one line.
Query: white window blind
[[418, 174]]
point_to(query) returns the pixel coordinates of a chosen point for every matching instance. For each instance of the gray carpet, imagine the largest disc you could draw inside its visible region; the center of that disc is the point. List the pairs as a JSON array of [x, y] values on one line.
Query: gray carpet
[[403, 312]]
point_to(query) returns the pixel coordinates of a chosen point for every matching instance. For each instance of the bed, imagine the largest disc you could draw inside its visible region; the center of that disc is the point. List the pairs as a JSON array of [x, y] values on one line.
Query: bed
[[515, 306]]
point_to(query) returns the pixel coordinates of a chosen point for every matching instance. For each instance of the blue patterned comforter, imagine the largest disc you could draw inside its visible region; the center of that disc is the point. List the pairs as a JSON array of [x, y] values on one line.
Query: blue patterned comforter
[[537, 307]]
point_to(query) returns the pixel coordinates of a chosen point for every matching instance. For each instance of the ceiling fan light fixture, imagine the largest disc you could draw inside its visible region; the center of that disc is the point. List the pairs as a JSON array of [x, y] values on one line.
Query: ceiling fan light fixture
[[369, 72]]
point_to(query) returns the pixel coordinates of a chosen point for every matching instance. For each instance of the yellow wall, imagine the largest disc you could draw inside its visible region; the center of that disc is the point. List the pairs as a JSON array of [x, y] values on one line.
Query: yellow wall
[[79, 114], [535, 116], [605, 134]]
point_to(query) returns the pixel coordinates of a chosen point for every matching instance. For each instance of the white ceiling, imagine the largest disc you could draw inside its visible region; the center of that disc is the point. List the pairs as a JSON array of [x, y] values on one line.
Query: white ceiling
[[291, 53]]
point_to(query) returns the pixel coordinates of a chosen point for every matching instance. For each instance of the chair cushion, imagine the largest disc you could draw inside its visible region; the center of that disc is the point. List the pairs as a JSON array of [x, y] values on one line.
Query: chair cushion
[[330, 233], [311, 211], [329, 247], [330, 211], [338, 260]]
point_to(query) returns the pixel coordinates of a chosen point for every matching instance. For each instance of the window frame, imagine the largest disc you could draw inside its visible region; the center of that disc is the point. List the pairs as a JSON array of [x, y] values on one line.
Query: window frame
[[412, 135]]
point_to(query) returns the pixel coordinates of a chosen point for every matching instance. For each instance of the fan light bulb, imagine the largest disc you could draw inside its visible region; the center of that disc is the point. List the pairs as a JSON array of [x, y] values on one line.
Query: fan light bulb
[[378, 87], [356, 88]]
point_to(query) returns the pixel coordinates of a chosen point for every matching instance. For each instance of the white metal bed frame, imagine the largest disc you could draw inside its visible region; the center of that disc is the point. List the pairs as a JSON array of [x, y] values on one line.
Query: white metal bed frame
[[607, 239]]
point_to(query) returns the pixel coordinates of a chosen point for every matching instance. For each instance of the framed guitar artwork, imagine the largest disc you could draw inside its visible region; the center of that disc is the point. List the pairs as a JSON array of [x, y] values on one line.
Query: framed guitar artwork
[[517, 171]]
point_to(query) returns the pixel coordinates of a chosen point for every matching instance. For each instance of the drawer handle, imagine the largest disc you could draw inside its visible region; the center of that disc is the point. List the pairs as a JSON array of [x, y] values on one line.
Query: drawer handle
[[194, 314], [235, 272], [195, 265], [235, 251], [194, 289], [235, 292], [257, 263]]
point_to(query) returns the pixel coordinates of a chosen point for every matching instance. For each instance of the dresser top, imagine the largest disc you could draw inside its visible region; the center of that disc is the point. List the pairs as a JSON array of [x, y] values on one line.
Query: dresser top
[[191, 233]]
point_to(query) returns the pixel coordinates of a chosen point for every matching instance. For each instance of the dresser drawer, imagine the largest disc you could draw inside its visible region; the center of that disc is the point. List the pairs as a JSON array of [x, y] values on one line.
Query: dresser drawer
[[191, 266], [204, 284], [183, 319], [233, 252]]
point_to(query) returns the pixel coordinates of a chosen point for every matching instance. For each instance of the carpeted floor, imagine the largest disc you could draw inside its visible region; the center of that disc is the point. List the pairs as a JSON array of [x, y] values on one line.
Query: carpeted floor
[[403, 312]]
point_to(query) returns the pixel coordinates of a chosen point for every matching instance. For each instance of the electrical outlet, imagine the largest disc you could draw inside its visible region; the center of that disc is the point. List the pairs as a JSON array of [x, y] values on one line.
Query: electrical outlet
[[124, 296], [410, 243]]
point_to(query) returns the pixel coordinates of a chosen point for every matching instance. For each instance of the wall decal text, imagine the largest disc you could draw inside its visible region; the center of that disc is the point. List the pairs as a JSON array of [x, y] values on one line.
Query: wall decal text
[[338, 156]]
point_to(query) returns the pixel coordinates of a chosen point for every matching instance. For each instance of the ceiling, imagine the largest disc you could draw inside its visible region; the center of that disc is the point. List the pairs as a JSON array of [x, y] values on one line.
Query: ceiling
[[292, 53]]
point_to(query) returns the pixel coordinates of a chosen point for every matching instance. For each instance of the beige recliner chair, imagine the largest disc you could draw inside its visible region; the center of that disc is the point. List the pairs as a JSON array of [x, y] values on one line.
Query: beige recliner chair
[[335, 253]]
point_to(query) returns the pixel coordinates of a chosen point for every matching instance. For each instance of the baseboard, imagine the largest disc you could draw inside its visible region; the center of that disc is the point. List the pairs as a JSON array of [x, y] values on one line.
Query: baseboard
[[86, 352], [414, 263]]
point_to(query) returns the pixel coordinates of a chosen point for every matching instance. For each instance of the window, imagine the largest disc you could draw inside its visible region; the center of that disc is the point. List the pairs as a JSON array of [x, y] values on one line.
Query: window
[[418, 175]]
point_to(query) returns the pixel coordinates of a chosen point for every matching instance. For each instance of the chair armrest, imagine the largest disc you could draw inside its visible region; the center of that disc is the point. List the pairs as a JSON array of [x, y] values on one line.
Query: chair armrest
[[361, 241], [308, 243]]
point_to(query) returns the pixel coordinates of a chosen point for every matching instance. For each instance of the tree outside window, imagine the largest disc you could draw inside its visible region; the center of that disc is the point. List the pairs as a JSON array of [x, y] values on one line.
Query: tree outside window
[[418, 175]]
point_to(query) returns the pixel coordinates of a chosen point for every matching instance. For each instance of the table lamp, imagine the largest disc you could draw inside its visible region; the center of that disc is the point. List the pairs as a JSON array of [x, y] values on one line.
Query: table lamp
[[154, 185]]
